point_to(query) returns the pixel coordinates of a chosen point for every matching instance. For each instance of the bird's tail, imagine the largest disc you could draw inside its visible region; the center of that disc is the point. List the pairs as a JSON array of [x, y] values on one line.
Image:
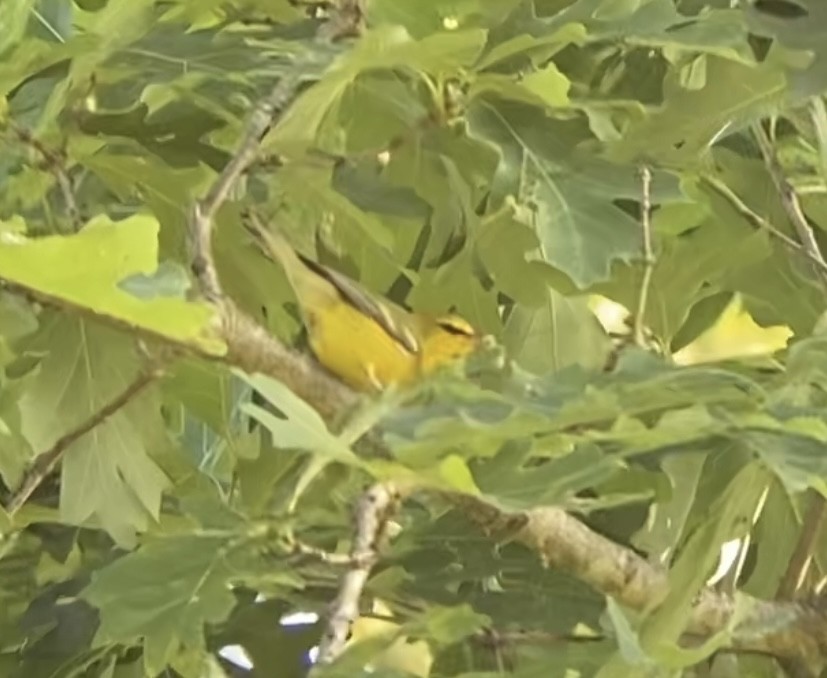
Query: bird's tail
[[271, 242]]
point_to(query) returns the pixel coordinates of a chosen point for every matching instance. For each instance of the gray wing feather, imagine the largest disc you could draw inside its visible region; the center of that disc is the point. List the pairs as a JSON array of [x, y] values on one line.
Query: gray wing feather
[[367, 305]]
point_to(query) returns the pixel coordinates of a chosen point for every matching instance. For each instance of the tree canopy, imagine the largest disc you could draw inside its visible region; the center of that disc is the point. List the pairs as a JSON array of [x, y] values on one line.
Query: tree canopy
[[180, 476]]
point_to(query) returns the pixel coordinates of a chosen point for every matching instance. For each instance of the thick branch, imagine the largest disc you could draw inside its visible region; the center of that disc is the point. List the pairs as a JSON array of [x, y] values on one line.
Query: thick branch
[[253, 349], [783, 629]]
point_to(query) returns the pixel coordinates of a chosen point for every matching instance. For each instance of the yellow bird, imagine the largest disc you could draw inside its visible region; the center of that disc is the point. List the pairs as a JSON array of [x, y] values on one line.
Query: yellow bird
[[366, 342]]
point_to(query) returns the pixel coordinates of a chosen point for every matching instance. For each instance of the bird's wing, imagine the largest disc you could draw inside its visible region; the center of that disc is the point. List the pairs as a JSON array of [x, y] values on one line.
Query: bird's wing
[[388, 318]]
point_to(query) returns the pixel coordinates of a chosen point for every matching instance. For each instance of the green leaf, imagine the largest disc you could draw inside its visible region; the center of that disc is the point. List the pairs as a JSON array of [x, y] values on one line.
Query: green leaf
[[550, 85], [628, 641], [114, 27], [168, 280], [297, 425], [561, 332], [307, 197], [579, 228], [426, 17], [164, 593], [107, 473], [690, 119], [446, 625], [540, 45], [390, 46], [774, 538], [731, 518], [503, 245], [611, 10], [664, 530], [802, 35], [795, 450], [517, 479], [14, 16], [111, 251]]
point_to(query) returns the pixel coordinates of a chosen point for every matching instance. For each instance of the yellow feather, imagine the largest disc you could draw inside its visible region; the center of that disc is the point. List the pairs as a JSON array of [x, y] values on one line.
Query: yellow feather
[[366, 342]]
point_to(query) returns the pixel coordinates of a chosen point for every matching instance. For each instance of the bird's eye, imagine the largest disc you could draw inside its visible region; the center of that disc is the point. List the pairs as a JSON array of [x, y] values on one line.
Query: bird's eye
[[456, 326]]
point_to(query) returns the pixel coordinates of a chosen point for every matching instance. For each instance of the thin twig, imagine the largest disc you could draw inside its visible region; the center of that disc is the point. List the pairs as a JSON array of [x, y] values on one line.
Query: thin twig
[[802, 555], [55, 163], [758, 221], [648, 255], [790, 201], [814, 517], [373, 512], [46, 461]]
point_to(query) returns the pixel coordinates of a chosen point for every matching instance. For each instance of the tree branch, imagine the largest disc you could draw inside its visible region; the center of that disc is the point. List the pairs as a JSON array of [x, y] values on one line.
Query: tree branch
[[45, 462], [373, 512], [780, 628]]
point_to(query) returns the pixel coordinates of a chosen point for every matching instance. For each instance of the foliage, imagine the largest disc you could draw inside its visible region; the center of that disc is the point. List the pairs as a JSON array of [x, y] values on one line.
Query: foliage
[[481, 156]]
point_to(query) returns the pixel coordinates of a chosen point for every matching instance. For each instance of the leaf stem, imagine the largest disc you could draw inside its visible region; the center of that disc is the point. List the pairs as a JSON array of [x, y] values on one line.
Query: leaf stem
[[648, 255]]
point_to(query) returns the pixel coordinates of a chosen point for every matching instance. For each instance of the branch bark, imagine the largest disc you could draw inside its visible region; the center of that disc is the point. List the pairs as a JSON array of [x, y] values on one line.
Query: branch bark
[[780, 628]]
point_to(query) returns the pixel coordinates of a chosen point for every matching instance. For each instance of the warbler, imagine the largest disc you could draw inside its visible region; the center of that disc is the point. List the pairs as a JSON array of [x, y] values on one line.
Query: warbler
[[367, 342]]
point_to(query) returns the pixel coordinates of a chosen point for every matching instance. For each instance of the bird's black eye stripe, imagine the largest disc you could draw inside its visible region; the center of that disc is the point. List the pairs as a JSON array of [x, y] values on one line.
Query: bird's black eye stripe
[[455, 328]]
